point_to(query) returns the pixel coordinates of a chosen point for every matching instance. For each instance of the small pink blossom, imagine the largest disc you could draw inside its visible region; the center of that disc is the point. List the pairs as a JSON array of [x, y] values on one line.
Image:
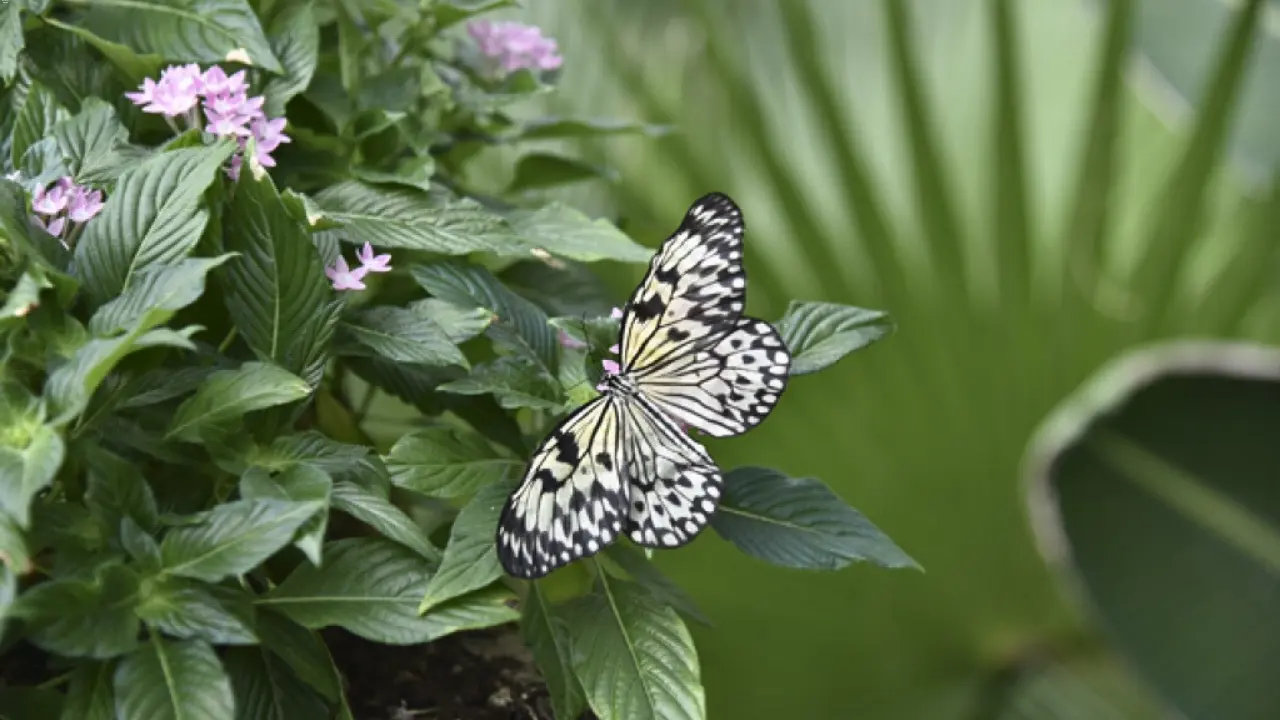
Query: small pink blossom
[[51, 201], [611, 367], [343, 277], [233, 169], [268, 135], [215, 81], [54, 227], [616, 313], [614, 349], [85, 204], [177, 91], [371, 262], [513, 46]]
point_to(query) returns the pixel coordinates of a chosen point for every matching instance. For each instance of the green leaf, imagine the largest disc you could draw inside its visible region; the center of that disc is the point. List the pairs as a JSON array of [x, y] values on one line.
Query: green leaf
[[379, 513], [799, 522], [276, 291], [513, 381], [295, 39], [412, 172], [140, 545], [42, 163], [173, 680], [452, 12], [206, 31], [639, 569], [40, 112], [79, 618], [820, 334], [89, 693], [310, 448], [233, 538], [471, 557], [188, 609], [27, 469], [157, 292], [300, 483], [30, 703], [115, 489], [403, 336], [471, 286], [153, 216], [371, 587], [416, 220], [554, 128], [303, 650], [229, 394], [448, 462], [15, 559], [24, 296], [634, 657], [566, 232], [267, 689], [134, 65], [539, 171], [89, 140], [166, 383], [11, 41], [71, 385], [547, 636], [459, 323], [571, 289]]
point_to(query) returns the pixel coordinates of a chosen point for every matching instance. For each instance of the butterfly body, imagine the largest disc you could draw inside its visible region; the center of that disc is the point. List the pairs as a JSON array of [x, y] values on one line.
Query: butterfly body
[[624, 462]]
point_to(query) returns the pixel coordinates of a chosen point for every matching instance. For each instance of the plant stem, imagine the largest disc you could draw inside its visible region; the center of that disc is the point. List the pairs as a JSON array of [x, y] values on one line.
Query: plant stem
[[226, 342]]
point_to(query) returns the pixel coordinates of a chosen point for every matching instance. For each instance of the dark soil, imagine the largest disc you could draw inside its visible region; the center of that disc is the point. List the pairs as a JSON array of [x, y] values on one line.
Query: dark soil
[[476, 675]]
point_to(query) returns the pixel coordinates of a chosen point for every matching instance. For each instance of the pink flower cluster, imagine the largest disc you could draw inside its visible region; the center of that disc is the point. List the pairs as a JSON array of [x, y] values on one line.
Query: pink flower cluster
[[344, 277], [228, 109], [513, 46], [62, 201]]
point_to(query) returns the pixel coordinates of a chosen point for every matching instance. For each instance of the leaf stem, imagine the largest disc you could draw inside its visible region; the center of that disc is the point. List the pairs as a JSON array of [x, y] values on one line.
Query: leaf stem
[[226, 342]]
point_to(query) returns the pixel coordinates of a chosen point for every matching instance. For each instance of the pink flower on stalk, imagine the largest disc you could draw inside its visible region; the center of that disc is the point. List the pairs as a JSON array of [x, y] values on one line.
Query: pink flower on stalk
[[54, 227], [233, 169], [174, 94], [371, 262], [85, 204], [514, 46], [616, 313], [54, 200], [215, 81], [343, 277], [267, 135]]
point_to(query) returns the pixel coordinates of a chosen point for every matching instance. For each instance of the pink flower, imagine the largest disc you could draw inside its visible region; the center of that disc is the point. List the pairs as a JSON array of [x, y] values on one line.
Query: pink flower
[[616, 313], [177, 91], [372, 263], [228, 124], [614, 349], [514, 46], [51, 201], [215, 81], [233, 170], [54, 227], [267, 135], [85, 204], [343, 277], [611, 367], [569, 341]]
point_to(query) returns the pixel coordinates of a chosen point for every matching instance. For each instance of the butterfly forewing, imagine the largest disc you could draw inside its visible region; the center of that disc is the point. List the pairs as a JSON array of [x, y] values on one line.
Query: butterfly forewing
[[572, 499], [694, 288], [674, 484]]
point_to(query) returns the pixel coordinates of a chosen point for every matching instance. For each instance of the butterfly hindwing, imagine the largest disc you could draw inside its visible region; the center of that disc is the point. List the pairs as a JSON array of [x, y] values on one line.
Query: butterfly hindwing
[[674, 484], [571, 502], [695, 285], [727, 388]]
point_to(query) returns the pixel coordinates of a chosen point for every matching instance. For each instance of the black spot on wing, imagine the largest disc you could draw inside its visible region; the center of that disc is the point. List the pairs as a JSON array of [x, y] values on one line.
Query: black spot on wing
[[648, 308]]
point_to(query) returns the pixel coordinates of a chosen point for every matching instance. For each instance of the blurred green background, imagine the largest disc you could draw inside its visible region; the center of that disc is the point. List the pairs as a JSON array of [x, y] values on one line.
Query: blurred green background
[[1030, 187]]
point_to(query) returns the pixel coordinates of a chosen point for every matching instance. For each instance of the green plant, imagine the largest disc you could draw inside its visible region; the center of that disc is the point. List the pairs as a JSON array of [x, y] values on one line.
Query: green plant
[[187, 490]]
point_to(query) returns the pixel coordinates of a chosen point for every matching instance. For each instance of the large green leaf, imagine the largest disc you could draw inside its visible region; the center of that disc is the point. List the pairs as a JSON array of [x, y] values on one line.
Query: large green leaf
[[638, 568], [295, 39], [39, 113], [233, 538], [89, 142], [447, 462], [412, 219], [267, 688], [634, 656], [471, 556], [300, 483], [382, 515], [28, 468], [1151, 492], [90, 695], [188, 609], [173, 680], [11, 40], [158, 292], [401, 335], [798, 522], [276, 291], [547, 636], [207, 31], [80, 618], [372, 587], [820, 334], [153, 216], [566, 232], [70, 386], [229, 394], [513, 381], [303, 650]]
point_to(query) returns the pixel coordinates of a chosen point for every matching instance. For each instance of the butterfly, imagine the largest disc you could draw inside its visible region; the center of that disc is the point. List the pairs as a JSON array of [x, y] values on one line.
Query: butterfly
[[623, 462]]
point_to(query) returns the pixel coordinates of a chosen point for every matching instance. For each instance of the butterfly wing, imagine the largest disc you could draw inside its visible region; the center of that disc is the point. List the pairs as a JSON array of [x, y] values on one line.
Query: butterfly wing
[[572, 500], [727, 388], [695, 287], [674, 484]]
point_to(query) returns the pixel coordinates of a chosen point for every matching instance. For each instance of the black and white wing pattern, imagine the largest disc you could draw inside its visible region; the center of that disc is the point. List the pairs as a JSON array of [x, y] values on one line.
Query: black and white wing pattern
[[674, 486], [572, 499]]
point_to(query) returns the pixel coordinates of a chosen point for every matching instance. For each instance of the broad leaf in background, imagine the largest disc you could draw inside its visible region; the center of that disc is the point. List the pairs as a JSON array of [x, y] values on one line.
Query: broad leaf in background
[[547, 636], [69, 387], [188, 609], [637, 568], [539, 171], [30, 455], [266, 687], [233, 538], [300, 483], [415, 220], [276, 291], [459, 323], [11, 40], [295, 39], [470, 286], [513, 381], [303, 650], [820, 334], [116, 489], [83, 618], [90, 695], [159, 291], [207, 31], [228, 394], [633, 655], [566, 232], [372, 587], [401, 335], [552, 128], [382, 515], [448, 462], [153, 216], [1152, 491], [471, 556], [173, 680], [39, 113], [798, 522], [89, 142]]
